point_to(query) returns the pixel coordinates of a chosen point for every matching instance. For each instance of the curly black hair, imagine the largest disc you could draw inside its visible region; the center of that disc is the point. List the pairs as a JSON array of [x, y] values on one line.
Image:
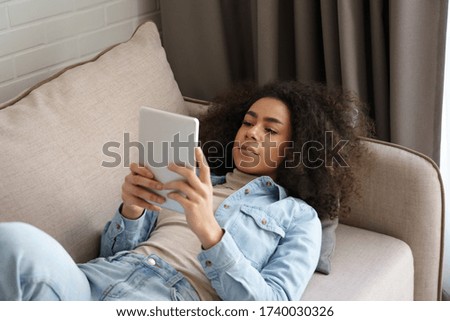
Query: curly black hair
[[326, 126]]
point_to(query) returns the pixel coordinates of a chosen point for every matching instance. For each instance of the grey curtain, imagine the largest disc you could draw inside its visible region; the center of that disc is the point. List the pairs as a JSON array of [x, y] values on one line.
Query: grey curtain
[[390, 52]]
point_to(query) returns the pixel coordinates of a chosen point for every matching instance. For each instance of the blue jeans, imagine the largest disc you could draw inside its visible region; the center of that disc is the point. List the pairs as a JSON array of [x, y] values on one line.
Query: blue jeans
[[34, 266]]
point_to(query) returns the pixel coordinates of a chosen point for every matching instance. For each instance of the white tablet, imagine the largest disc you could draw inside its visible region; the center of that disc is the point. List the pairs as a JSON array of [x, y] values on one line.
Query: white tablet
[[166, 138]]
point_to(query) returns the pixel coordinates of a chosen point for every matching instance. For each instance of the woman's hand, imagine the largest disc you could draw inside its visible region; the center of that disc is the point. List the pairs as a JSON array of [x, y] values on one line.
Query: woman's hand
[[135, 192], [197, 200]]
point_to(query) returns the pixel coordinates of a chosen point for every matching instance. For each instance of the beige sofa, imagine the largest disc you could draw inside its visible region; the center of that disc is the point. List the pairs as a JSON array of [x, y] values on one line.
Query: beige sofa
[[54, 175]]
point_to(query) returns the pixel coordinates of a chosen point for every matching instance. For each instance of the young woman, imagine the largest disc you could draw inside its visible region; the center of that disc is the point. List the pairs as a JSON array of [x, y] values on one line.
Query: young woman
[[251, 228]]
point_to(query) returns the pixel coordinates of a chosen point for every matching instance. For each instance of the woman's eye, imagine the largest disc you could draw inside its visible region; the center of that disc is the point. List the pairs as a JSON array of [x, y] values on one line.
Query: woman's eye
[[246, 123], [271, 131]]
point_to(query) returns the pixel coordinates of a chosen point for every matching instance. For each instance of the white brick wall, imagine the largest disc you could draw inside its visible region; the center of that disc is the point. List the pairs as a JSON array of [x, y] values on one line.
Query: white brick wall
[[40, 37]]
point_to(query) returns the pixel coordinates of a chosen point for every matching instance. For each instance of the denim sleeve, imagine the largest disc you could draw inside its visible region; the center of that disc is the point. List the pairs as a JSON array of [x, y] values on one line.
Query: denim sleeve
[[122, 234], [284, 277]]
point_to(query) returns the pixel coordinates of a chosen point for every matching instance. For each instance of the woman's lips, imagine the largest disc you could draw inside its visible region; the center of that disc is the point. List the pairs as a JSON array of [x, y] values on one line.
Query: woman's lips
[[248, 150]]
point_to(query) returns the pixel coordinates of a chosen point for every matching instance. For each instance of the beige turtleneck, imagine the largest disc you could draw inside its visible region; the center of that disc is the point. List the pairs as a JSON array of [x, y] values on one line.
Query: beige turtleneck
[[174, 242]]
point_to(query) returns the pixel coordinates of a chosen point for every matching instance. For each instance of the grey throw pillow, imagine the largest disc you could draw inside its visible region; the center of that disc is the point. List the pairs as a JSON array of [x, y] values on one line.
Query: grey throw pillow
[[328, 244]]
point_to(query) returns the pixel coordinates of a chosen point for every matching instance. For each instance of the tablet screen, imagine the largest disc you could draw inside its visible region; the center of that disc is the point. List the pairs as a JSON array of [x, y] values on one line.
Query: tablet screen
[[167, 137]]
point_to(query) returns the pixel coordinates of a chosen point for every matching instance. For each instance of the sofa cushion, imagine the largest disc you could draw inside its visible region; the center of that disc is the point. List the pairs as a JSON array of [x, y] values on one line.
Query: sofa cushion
[[366, 266], [53, 167]]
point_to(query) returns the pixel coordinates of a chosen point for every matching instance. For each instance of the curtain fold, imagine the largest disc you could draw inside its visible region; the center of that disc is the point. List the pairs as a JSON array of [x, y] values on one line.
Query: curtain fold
[[390, 52], [307, 28], [417, 48], [330, 36], [379, 36]]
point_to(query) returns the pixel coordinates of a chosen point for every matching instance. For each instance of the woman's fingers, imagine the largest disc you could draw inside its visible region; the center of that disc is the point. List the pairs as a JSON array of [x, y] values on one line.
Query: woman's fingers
[[143, 193], [141, 170], [204, 175], [183, 187], [131, 199], [139, 185], [188, 174], [144, 181], [184, 202], [194, 187]]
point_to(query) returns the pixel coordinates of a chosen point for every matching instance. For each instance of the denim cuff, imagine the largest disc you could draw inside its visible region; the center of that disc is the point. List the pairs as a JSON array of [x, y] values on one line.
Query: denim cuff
[[121, 223], [220, 257], [127, 233]]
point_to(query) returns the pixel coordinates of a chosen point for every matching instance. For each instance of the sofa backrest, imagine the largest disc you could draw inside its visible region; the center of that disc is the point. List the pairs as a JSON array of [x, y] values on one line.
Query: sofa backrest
[[53, 138]]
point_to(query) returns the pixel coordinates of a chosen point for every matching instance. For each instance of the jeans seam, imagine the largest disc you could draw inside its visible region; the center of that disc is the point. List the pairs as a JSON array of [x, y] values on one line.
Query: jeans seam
[[40, 280]]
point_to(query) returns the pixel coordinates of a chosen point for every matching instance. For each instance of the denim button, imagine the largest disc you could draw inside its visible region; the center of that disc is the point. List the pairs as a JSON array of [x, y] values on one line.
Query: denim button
[[208, 263], [263, 221], [226, 206], [269, 183], [247, 191], [151, 261]]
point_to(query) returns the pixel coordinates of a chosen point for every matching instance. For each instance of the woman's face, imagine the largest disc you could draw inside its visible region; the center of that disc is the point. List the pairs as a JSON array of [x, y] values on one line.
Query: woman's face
[[261, 141]]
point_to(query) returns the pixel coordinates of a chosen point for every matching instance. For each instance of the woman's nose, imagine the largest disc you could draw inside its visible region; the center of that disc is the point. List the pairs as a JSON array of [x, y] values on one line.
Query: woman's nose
[[253, 133]]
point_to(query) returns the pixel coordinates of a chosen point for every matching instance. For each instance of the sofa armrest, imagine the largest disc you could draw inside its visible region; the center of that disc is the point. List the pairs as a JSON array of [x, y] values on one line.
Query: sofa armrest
[[402, 196]]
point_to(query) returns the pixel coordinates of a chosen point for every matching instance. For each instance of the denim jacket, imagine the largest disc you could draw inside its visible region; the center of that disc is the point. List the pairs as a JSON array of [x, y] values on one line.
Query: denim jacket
[[269, 250]]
